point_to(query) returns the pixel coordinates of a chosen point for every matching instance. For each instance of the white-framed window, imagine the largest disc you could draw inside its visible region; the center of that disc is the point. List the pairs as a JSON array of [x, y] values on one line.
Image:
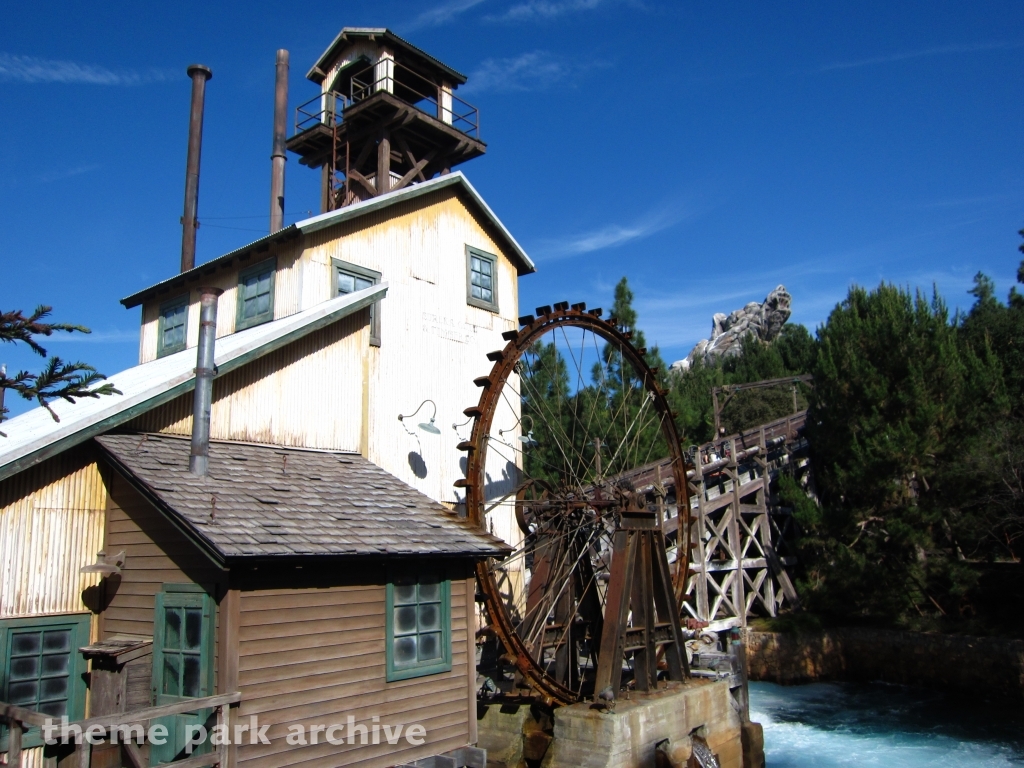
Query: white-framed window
[[481, 279]]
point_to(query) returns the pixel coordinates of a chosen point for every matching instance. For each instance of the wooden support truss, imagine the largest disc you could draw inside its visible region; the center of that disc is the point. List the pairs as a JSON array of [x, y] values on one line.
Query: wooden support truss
[[641, 613], [741, 539]]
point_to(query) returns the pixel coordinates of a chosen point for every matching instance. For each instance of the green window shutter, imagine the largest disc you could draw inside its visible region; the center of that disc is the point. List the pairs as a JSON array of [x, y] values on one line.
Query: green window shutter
[[42, 669], [173, 329], [419, 627], [256, 295]]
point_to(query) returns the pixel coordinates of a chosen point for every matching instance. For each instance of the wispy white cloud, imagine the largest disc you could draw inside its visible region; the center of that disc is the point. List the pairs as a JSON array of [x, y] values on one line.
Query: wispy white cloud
[[919, 54], [67, 173], [531, 71], [613, 235], [440, 14], [549, 9], [32, 69], [956, 202]]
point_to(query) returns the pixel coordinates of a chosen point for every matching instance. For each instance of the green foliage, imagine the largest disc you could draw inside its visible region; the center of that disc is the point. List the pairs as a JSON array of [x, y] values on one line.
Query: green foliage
[[567, 412], [791, 354], [59, 379], [914, 428]]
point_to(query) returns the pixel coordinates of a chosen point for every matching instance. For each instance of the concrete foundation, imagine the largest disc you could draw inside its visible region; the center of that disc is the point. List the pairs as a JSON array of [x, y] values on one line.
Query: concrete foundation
[[628, 736]]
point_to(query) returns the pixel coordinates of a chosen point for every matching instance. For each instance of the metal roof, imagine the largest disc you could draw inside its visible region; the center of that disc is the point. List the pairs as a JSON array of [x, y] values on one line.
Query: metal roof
[[331, 218], [35, 436], [319, 70], [265, 501]]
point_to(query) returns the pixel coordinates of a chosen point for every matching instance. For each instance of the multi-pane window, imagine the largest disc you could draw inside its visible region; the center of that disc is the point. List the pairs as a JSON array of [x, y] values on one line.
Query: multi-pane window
[[40, 662], [173, 326], [256, 295], [349, 278], [183, 643], [418, 627], [42, 667], [183, 651], [482, 289]]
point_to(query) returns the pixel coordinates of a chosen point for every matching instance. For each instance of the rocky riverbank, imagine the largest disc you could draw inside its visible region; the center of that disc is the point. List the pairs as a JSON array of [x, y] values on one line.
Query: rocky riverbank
[[992, 668]]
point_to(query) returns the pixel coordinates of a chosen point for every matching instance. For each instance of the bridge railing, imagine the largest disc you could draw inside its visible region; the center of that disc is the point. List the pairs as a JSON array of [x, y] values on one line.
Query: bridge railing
[[18, 720]]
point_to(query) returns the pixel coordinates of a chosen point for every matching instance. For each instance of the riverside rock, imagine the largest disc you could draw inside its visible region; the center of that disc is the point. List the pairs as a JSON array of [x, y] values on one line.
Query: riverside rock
[[762, 321]]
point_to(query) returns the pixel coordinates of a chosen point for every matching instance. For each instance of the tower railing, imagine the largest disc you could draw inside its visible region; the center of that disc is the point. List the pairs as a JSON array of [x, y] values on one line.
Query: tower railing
[[411, 87], [323, 109]]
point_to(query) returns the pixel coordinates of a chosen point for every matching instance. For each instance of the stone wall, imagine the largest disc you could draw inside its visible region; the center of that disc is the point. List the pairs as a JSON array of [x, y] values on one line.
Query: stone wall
[[641, 730], [993, 666]]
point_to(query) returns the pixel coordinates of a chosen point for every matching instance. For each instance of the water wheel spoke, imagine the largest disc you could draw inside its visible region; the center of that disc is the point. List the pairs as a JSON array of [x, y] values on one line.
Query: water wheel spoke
[[572, 415]]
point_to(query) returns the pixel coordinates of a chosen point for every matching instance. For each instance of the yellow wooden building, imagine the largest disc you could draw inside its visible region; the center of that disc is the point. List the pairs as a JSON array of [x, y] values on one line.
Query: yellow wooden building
[[321, 507]]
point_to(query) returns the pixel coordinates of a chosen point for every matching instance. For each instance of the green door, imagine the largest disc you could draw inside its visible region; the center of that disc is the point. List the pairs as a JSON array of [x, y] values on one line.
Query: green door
[[183, 636]]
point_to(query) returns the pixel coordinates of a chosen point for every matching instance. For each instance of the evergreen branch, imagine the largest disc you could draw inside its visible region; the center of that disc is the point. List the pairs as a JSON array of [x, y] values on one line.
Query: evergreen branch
[[15, 327], [58, 380]]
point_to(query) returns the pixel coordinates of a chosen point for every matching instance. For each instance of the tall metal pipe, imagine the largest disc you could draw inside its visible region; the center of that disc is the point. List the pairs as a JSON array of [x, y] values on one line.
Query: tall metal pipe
[[190, 219], [277, 155], [202, 400]]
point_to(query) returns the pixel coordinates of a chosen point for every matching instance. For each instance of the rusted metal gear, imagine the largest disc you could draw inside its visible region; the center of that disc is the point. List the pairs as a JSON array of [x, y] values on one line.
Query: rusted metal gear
[[563, 523]]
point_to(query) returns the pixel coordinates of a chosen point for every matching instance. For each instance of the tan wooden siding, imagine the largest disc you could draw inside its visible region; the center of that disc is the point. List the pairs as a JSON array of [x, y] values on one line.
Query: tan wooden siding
[[287, 289], [316, 656], [51, 524], [433, 344], [156, 553], [282, 398]]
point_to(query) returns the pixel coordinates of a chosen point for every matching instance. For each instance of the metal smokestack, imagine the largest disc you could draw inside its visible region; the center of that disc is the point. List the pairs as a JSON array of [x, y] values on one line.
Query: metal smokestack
[[277, 156], [202, 401], [190, 219]]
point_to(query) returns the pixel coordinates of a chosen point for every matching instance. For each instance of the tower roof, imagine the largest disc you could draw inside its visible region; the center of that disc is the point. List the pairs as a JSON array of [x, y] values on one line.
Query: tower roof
[[348, 34]]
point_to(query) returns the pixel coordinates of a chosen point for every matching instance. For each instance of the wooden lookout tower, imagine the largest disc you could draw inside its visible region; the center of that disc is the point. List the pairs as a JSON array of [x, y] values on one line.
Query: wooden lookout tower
[[386, 117]]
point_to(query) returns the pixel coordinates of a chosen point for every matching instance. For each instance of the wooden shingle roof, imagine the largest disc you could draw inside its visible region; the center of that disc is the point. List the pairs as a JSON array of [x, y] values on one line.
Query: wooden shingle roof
[[265, 501]]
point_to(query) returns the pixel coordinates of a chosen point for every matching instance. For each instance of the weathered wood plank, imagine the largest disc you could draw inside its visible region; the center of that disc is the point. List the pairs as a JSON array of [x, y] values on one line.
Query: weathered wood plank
[[254, 605], [280, 755]]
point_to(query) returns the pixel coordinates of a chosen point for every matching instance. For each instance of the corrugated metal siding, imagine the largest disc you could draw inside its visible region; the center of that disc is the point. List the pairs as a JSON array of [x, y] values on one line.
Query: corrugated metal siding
[[307, 394], [30, 758], [433, 344], [51, 524], [316, 656], [287, 290]]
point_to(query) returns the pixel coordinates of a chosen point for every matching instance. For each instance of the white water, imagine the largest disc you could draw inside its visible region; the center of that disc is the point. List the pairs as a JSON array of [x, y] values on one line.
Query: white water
[[828, 725]]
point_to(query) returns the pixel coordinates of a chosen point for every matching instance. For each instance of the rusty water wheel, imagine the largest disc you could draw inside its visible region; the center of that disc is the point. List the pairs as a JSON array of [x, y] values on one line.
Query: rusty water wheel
[[552, 439]]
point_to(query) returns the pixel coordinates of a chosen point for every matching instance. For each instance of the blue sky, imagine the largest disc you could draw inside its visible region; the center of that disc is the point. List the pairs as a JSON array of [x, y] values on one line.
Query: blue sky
[[708, 151]]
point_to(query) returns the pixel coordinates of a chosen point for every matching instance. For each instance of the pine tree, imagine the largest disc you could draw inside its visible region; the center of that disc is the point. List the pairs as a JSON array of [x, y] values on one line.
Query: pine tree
[[897, 395], [58, 379]]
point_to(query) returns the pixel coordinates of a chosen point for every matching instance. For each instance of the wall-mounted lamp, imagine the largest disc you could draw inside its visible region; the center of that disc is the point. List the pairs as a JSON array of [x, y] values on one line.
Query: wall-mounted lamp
[[104, 565], [428, 427], [527, 440]]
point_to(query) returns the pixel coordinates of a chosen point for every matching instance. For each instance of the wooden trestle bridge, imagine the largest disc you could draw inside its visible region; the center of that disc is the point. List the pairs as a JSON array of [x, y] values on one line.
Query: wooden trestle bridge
[[741, 538]]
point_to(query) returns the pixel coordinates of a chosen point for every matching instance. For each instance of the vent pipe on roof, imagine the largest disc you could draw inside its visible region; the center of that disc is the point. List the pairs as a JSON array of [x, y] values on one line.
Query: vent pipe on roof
[[190, 219], [277, 156], [202, 401]]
